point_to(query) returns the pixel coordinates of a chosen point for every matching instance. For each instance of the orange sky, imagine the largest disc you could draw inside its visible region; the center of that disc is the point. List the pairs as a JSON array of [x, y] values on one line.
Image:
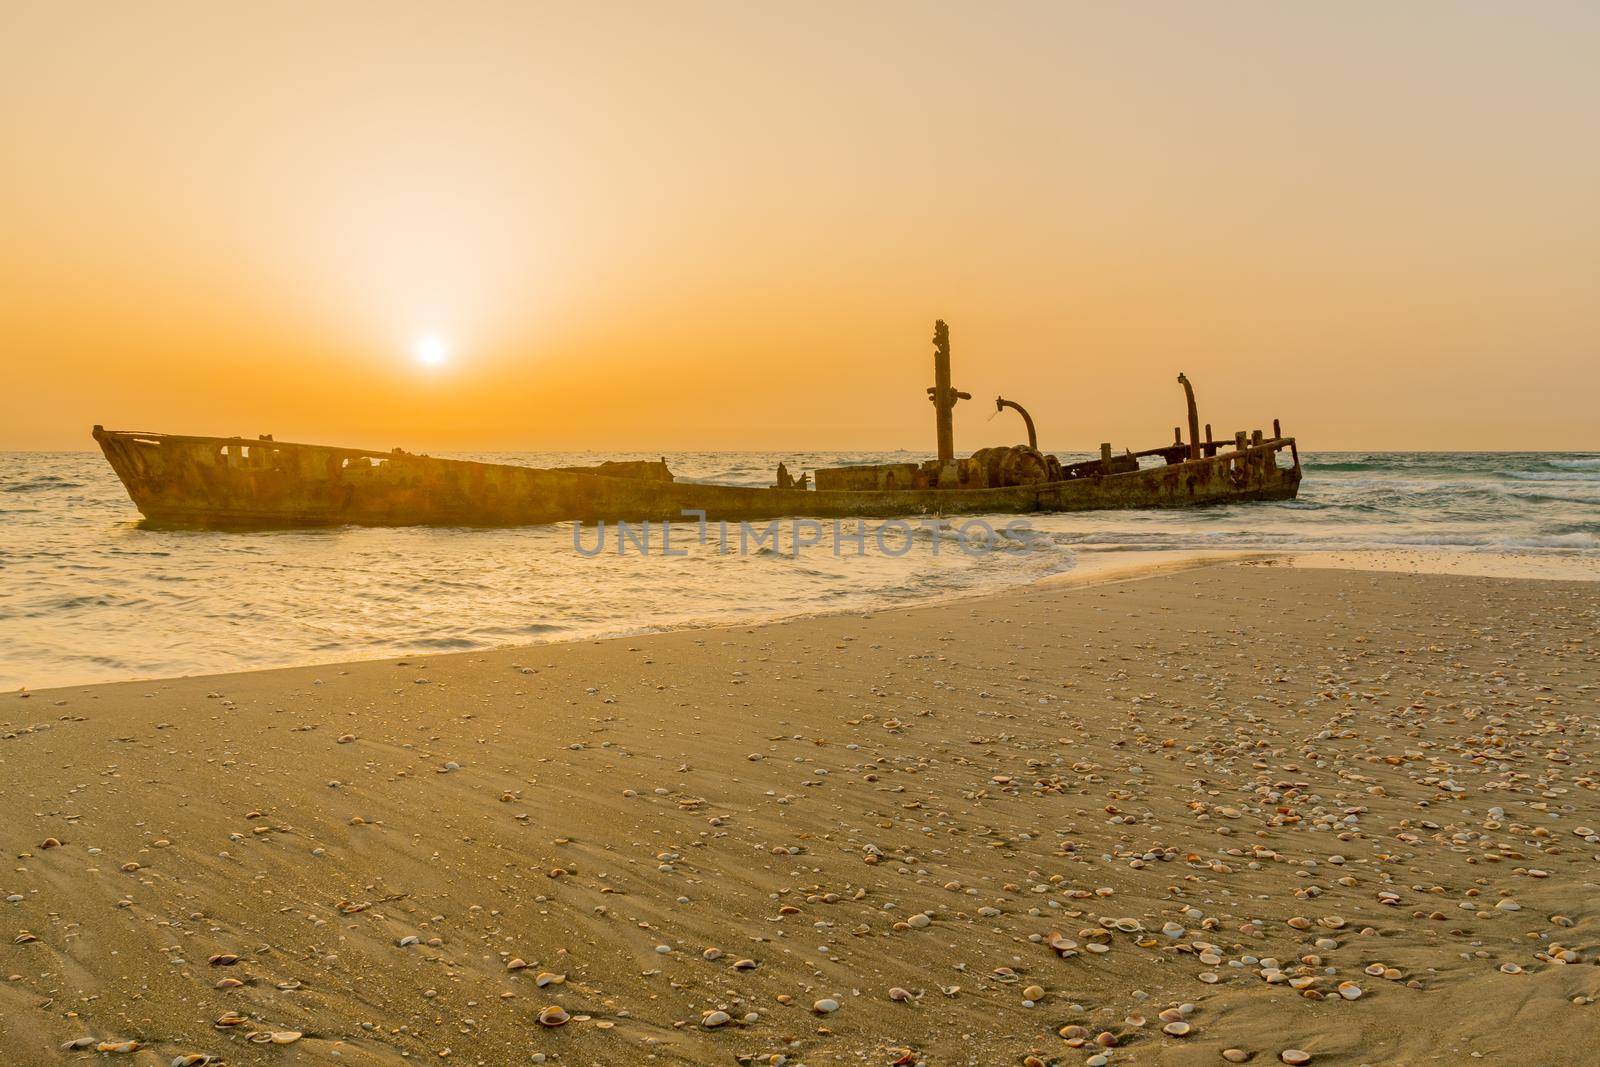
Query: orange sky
[[732, 225]]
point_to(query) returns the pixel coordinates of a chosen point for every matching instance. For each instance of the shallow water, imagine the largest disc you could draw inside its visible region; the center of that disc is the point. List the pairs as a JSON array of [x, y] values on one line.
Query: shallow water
[[87, 594]]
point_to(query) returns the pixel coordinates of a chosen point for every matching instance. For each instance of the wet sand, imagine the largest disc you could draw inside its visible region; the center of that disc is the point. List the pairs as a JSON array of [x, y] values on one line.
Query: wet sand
[[1177, 816]]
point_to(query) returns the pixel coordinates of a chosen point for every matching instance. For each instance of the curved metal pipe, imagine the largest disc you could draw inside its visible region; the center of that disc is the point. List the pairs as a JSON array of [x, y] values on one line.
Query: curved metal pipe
[[1194, 417], [1001, 403]]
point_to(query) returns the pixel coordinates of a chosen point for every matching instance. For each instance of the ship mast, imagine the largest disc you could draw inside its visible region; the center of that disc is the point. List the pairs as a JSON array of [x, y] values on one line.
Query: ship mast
[[943, 394]]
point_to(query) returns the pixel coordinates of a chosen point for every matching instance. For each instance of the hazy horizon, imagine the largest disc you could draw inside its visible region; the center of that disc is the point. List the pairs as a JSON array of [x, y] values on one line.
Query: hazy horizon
[[714, 227]]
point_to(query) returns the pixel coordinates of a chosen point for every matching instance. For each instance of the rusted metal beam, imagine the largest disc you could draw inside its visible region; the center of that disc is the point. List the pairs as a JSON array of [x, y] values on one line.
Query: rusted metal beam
[[1194, 417], [943, 394], [1001, 403]]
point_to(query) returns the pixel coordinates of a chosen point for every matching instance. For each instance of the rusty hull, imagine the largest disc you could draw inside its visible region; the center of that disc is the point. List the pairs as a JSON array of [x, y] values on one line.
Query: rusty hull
[[219, 482]]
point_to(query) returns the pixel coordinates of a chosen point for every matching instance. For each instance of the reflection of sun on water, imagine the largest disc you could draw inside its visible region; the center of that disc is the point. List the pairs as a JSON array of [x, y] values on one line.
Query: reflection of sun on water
[[432, 351]]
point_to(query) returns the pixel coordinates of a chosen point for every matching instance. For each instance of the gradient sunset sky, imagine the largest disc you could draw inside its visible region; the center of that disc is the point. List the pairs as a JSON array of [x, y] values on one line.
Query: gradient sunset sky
[[671, 226]]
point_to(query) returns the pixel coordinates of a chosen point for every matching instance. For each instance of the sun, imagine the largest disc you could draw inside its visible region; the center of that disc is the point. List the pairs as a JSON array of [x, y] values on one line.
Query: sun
[[431, 351]]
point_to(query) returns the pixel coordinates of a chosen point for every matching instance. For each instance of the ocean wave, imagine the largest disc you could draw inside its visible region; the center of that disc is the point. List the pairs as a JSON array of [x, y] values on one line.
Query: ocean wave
[[1581, 540], [1553, 476], [42, 483], [77, 570], [1548, 496]]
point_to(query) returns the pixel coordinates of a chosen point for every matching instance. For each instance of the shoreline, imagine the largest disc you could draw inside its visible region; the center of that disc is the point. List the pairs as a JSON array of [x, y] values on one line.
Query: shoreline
[[1215, 750], [1109, 567]]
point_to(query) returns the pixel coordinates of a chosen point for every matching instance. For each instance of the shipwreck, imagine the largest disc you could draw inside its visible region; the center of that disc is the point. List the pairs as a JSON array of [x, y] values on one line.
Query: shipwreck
[[244, 483]]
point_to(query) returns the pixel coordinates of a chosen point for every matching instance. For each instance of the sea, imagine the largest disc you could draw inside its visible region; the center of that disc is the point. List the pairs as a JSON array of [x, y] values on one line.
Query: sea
[[88, 594]]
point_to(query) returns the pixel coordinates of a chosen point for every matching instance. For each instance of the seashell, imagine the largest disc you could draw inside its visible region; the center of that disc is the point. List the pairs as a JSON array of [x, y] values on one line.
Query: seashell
[[554, 1015], [50, 842], [919, 921], [1294, 1056], [745, 965], [1075, 1036], [1300, 922], [825, 1006], [23, 938], [516, 964], [408, 941], [1177, 1029], [230, 1018], [77, 1043], [192, 1059], [548, 978], [1034, 993], [1235, 1055], [223, 959], [289, 985], [228, 983], [711, 954], [901, 995], [714, 1019], [118, 1048]]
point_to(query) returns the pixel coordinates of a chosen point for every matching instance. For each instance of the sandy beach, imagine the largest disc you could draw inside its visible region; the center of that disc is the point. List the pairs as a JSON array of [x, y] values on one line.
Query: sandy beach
[[1209, 816]]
